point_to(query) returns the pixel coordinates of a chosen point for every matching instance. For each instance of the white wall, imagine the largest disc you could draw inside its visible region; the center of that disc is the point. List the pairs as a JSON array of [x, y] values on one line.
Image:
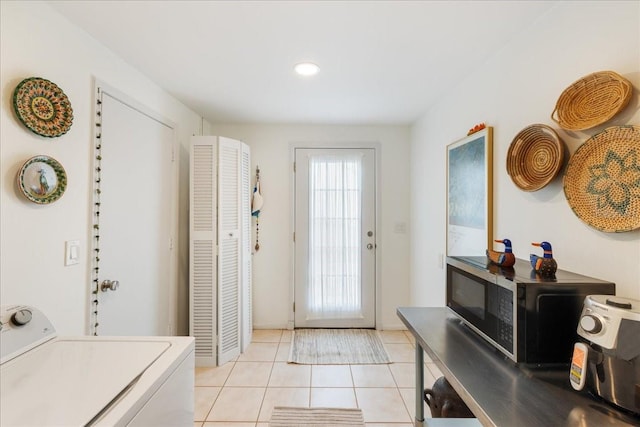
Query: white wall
[[37, 41], [270, 149], [517, 87]]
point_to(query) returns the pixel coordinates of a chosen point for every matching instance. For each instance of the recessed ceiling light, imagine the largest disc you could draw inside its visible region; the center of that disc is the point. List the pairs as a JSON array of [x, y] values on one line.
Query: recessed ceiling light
[[306, 69]]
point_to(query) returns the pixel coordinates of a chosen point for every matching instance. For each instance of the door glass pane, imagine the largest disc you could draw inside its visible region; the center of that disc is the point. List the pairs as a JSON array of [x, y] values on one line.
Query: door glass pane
[[335, 200]]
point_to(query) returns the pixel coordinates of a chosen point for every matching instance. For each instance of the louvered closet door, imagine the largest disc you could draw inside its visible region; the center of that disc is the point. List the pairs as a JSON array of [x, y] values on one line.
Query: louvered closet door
[[245, 181], [229, 267], [204, 158]]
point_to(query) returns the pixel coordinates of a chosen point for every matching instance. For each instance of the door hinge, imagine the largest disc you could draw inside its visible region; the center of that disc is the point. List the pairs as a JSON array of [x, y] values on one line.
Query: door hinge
[[294, 167], [173, 154], [294, 236], [294, 307], [171, 244]]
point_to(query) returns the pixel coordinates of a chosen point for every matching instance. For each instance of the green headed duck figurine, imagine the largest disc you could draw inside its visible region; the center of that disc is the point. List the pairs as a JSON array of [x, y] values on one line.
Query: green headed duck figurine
[[503, 259], [544, 265]]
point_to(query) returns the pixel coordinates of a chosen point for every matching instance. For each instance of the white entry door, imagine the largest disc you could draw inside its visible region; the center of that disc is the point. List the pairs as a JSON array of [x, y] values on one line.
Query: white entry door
[[136, 220], [335, 238]]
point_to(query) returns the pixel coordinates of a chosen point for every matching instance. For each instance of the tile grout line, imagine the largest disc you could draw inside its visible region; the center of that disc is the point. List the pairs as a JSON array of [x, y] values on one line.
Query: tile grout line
[[310, 384], [219, 393], [264, 395], [355, 395]]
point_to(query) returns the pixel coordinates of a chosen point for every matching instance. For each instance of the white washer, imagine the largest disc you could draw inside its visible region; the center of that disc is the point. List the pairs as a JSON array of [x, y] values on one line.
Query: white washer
[[46, 380]]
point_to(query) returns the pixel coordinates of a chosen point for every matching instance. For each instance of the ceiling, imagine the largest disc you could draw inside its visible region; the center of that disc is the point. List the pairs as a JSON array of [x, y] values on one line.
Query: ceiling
[[381, 62]]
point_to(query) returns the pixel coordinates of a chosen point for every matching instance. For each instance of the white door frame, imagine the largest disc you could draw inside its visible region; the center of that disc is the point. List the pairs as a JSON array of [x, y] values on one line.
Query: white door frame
[[377, 148], [102, 87]]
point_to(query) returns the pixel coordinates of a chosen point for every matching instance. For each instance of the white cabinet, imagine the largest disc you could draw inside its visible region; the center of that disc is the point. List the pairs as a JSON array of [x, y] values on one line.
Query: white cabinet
[[219, 249]]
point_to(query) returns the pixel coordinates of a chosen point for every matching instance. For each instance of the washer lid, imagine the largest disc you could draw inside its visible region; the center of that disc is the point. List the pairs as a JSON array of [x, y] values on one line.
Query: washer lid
[[68, 383]]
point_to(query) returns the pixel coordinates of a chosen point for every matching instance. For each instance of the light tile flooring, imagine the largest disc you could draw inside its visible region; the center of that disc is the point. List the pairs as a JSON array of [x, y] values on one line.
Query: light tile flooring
[[243, 392]]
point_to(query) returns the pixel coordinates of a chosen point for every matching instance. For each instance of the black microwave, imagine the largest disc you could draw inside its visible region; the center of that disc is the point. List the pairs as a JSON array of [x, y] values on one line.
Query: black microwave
[[531, 319]]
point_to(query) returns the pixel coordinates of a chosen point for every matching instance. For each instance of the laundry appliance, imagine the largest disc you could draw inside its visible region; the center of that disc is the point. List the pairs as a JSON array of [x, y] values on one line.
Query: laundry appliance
[[47, 380]]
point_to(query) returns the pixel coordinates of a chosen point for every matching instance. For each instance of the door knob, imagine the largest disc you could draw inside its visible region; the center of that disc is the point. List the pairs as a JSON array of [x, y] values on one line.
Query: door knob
[[369, 246], [109, 285]]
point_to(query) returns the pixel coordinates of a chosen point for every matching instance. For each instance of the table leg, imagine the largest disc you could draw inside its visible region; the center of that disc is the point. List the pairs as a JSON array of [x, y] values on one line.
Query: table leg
[[419, 385]]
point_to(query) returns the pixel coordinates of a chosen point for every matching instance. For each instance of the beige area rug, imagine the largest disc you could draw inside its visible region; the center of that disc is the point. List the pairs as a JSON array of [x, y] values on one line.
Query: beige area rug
[[337, 347], [284, 416]]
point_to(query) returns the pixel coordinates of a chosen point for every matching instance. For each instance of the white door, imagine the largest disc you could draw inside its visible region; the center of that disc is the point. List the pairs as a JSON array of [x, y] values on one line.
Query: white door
[[220, 265], [335, 238], [245, 255], [136, 212], [229, 255]]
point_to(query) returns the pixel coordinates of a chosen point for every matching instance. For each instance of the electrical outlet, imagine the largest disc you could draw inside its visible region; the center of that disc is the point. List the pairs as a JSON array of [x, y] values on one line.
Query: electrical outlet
[[400, 227]]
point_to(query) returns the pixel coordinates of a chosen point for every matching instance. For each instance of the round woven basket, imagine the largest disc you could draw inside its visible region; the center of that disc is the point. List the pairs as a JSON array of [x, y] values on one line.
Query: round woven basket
[[592, 100], [535, 157], [602, 181]]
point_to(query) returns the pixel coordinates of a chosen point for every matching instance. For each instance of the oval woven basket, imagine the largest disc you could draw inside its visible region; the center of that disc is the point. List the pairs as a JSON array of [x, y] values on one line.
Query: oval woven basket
[[602, 181], [535, 157], [592, 100]]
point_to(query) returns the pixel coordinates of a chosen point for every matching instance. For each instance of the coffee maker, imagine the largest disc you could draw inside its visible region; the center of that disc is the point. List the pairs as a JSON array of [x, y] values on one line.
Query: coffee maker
[[607, 361]]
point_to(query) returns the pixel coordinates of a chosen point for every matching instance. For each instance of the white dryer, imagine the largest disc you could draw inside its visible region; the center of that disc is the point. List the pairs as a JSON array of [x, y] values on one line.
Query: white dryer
[[46, 380]]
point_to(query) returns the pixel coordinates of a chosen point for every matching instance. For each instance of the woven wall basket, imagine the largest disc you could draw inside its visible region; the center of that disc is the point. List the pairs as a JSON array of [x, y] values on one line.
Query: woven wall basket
[[535, 157], [592, 100], [602, 182]]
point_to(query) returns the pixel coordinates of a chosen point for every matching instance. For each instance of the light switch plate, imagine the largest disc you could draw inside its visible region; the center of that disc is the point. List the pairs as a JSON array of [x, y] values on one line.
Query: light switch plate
[[71, 252]]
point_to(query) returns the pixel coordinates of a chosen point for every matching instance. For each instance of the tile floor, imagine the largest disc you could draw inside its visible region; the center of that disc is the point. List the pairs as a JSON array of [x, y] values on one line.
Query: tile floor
[[243, 392]]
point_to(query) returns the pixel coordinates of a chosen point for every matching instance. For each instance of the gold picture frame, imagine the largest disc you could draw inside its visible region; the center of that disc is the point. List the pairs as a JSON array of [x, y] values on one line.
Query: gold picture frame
[[470, 194]]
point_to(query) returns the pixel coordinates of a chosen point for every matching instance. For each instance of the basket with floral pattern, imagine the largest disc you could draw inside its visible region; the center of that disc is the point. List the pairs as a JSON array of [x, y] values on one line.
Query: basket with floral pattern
[[602, 181]]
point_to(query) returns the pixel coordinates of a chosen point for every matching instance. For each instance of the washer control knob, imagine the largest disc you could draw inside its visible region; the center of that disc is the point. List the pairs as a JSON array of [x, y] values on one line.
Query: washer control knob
[[21, 317], [591, 324]]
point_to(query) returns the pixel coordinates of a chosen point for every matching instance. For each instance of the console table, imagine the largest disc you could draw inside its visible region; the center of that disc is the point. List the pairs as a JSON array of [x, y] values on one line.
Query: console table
[[498, 392]]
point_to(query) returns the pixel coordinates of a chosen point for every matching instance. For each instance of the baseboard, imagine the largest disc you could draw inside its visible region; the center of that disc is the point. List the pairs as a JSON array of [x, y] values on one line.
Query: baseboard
[[393, 327], [287, 326], [270, 326]]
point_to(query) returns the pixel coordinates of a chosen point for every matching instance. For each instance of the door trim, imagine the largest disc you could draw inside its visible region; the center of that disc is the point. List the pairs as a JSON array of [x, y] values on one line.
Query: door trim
[[99, 88], [377, 148]]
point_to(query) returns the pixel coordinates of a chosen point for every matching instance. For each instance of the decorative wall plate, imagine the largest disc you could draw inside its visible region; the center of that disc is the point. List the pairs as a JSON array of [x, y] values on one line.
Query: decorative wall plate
[[42, 107], [42, 179], [602, 181]]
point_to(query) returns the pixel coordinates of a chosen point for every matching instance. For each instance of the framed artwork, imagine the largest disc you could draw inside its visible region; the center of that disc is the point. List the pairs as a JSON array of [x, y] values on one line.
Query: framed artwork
[[470, 194]]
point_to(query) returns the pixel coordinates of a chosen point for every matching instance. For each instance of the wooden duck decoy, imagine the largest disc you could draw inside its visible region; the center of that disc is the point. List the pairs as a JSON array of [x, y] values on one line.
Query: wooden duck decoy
[[544, 265], [503, 259]]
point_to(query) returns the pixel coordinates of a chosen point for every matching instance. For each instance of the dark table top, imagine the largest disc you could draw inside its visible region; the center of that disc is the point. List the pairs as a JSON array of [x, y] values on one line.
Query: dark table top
[[498, 392]]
